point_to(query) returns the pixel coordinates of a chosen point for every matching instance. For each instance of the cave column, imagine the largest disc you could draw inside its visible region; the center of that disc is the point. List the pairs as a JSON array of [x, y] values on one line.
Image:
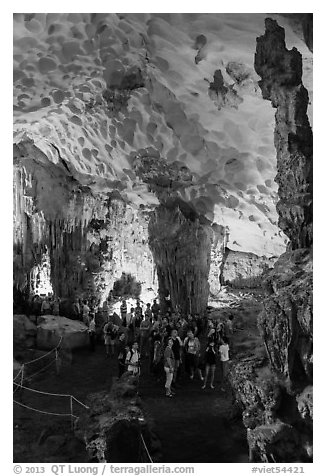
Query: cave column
[[181, 248]]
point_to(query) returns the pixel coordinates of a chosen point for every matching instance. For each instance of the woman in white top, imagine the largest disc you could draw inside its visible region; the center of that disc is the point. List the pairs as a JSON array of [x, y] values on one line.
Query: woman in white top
[[224, 356], [132, 360]]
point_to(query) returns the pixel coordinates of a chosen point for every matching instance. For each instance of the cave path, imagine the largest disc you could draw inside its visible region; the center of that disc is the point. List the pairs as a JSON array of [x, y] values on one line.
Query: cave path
[[194, 426]]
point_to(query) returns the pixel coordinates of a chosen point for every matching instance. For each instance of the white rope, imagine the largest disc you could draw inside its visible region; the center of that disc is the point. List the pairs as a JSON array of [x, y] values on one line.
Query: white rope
[[51, 394], [46, 413], [43, 393], [39, 371], [19, 372], [149, 456], [40, 358], [82, 404], [48, 353]]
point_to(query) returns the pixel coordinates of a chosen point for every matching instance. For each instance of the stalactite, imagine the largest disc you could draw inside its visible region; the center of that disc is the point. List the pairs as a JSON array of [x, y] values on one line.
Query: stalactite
[[181, 248]]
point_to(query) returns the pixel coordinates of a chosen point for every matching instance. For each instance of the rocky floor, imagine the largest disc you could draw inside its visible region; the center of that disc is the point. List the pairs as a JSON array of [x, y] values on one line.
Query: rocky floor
[[195, 426]]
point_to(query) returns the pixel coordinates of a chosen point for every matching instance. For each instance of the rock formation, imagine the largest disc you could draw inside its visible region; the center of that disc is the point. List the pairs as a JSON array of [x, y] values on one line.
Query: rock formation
[[50, 330], [281, 83], [113, 426], [181, 243], [82, 242], [280, 426], [240, 269]]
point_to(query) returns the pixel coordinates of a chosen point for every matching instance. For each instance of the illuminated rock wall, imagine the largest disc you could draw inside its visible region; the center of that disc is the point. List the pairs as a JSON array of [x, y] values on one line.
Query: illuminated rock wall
[[77, 241]]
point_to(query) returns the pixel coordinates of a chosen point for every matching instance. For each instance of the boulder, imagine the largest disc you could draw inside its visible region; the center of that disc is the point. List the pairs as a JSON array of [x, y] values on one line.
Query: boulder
[[51, 328], [16, 368], [112, 425], [24, 331]]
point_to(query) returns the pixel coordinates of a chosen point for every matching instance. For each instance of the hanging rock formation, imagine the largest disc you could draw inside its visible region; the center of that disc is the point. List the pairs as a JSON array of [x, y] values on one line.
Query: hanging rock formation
[[281, 83], [79, 240], [283, 432], [181, 244]]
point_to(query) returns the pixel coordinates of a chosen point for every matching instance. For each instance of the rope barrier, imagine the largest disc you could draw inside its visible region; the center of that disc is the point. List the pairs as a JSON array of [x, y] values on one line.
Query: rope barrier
[[21, 386], [39, 371], [149, 456], [48, 353], [43, 393], [82, 404], [19, 372], [51, 394], [41, 411]]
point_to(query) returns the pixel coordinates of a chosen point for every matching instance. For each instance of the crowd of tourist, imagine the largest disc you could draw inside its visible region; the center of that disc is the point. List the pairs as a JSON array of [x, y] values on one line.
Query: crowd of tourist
[[171, 343]]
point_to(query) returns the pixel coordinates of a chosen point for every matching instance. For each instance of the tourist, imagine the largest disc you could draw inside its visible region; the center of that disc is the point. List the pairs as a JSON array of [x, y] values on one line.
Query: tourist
[[107, 339], [210, 363], [105, 309], [182, 328], [192, 325], [85, 312], [36, 306], [92, 333], [228, 330], [56, 306], [192, 349], [123, 312], [167, 300], [199, 324], [130, 324], [156, 366], [155, 310], [138, 314], [76, 314], [220, 331], [46, 306], [110, 334], [211, 333], [133, 360], [224, 356], [144, 329], [113, 334], [148, 312], [177, 349], [122, 353], [169, 362]]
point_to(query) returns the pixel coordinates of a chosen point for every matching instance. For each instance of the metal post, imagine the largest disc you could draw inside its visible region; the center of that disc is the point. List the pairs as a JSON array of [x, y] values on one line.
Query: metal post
[[57, 362], [71, 413]]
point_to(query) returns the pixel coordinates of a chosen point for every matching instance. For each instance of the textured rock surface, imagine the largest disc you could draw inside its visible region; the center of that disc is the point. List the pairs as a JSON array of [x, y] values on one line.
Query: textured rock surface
[[280, 429], [77, 242], [285, 324], [51, 328], [24, 331], [181, 242], [241, 269], [287, 320], [97, 90], [281, 83], [112, 427]]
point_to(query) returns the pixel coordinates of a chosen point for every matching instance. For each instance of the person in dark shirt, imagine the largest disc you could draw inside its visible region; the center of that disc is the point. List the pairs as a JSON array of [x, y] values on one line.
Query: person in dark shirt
[[138, 314], [123, 312], [122, 352], [155, 310], [210, 363], [177, 349], [169, 362]]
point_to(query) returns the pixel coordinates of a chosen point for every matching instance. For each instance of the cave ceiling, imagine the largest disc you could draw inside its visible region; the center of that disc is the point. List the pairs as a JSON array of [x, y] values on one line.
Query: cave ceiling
[[154, 106]]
